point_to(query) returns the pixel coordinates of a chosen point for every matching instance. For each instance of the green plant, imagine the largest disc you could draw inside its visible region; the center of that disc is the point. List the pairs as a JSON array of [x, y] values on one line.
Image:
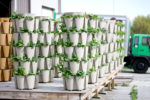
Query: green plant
[[36, 31], [67, 16], [38, 72], [44, 44], [84, 60], [15, 58], [121, 33], [67, 73], [56, 32], [83, 30], [35, 59], [90, 56], [19, 43], [95, 17], [93, 69], [63, 28], [80, 45], [97, 55], [52, 68], [103, 30], [25, 59], [56, 54], [31, 73], [30, 44], [38, 44], [120, 24], [59, 42], [94, 43], [20, 16], [14, 15], [80, 74], [103, 64], [45, 19], [73, 30], [78, 16], [12, 43], [134, 92], [75, 58], [20, 71], [36, 17], [103, 42], [29, 18], [68, 43]]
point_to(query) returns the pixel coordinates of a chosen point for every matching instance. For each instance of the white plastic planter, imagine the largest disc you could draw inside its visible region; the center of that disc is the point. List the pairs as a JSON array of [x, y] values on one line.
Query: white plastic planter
[[111, 47], [69, 83], [93, 77], [102, 49], [15, 37], [93, 51], [36, 81], [79, 22], [36, 24], [112, 25], [86, 49], [68, 22], [84, 38], [59, 48], [30, 81], [19, 23], [86, 82], [99, 61], [26, 65], [49, 63], [25, 37], [74, 37], [45, 26], [74, 66], [20, 51], [56, 61], [37, 51], [92, 23], [34, 37], [109, 57], [79, 52], [89, 37], [84, 66], [41, 38], [109, 37], [45, 75], [96, 63], [30, 24], [80, 82], [52, 24], [106, 48], [52, 49], [103, 24], [30, 52], [99, 36], [65, 36], [104, 37], [102, 71], [85, 23], [69, 51], [41, 64], [16, 64], [45, 51], [107, 68], [20, 82], [49, 37], [104, 58], [56, 37], [58, 26], [34, 67], [90, 64]]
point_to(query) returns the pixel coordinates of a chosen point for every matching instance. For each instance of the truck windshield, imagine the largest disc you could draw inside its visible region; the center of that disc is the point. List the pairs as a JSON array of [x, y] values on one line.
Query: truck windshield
[[136, 40]]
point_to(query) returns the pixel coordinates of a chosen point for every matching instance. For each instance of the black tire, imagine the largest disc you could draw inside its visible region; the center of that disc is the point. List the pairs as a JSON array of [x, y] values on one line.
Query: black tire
[[140, 66]]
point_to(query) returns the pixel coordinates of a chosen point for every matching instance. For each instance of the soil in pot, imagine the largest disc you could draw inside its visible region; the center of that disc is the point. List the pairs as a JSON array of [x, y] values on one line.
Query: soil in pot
[[2, 39], [3, 63], [6, 50], [6, 27], [6, 74]]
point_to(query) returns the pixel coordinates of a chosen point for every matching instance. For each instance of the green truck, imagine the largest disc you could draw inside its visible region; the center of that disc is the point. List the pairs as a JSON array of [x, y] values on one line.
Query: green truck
[[139, 53]]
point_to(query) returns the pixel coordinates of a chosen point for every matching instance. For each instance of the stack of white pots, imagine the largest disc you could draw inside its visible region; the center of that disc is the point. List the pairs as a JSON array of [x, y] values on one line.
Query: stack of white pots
[[81, 48], [111, 51], [33, 49]]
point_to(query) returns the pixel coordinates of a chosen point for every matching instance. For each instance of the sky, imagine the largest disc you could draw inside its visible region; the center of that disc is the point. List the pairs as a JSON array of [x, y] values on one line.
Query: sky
[[129, 8]]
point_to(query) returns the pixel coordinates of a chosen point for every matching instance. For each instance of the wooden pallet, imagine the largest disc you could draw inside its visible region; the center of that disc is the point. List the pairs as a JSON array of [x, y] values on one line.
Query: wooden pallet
[[55, 90]]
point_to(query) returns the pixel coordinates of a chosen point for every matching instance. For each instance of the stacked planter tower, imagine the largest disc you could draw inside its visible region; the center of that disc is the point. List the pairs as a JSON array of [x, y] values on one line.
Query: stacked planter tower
[[6, 66], [36, 52]]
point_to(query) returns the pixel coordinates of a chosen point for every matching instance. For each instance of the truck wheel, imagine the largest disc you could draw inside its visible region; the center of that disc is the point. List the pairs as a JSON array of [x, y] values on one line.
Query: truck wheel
[[140, 66]]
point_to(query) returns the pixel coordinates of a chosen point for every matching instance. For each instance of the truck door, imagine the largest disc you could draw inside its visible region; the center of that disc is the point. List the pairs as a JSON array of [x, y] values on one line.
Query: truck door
[[135, 45], [144, 47]]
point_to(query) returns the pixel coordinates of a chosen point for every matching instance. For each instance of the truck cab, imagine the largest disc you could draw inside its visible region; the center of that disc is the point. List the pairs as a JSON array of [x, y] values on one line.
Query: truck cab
[[139, 53]]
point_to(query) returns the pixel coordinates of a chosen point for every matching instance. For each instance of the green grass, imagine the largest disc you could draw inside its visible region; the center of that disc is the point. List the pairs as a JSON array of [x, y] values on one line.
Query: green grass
[[134, 93]]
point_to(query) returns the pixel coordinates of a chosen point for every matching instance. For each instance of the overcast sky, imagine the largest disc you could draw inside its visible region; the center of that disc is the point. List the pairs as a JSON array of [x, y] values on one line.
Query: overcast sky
[[130, 8]]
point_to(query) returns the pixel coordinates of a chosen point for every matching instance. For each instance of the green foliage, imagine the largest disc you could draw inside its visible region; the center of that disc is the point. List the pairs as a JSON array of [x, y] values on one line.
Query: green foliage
[[141, 24], [30, 44], [121, 32], [78, 16], [95, 17], [20, 71], [80, 74], [120, 24], [66, 73], [45, 19], [73, 30], [12, 43], [59, 42], [35, 59], [17, 16], [80, 45], [83, 30], [29, 18], [44, 44], [84, 60], [36, 31], [68, 43], [134, 93], [67, 16], [32, 74], [19, 43], [103, 41], [120, 41], [93, 69], [75, 58], [94, 43], [15, 58], [56, 32], [97, 55], [23, 30], [25, 59], [93, 30], [38, 44], [90, 56]]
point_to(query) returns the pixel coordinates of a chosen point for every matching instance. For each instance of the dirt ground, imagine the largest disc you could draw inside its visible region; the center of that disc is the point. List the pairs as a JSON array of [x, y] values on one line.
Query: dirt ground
[[123, 86]]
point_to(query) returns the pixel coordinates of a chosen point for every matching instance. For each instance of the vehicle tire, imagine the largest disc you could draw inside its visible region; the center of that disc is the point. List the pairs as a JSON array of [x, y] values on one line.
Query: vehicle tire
[[140, 66]]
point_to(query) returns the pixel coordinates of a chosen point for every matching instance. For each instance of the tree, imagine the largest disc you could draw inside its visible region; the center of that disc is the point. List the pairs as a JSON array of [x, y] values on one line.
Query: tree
[[141, 24]]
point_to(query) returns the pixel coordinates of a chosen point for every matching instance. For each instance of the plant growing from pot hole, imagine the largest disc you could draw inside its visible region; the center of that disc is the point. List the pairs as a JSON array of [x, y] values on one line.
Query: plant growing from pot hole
[[84, 60], [94, 17], [29, 18], [120, 33], [24, 30], [20, 71], [80, 74], [17, 16], [38, 44], [75, 58], [67, 16], [78, 16], [44, 44], [45, 19], [103, 42], [31, 44], [68, 43], [119, 24], [83, 30], [36, 31], [94, 43], [19, 43], [59, 42], [97, 55], [73, 30], [25, 59], [15, 58], [93, 69], [90, 56], [67, 73], [80, 45], [34, 59]]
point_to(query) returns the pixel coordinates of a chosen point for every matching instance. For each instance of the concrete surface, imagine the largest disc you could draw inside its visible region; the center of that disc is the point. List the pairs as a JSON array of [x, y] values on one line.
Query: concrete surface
[[142, 81]]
